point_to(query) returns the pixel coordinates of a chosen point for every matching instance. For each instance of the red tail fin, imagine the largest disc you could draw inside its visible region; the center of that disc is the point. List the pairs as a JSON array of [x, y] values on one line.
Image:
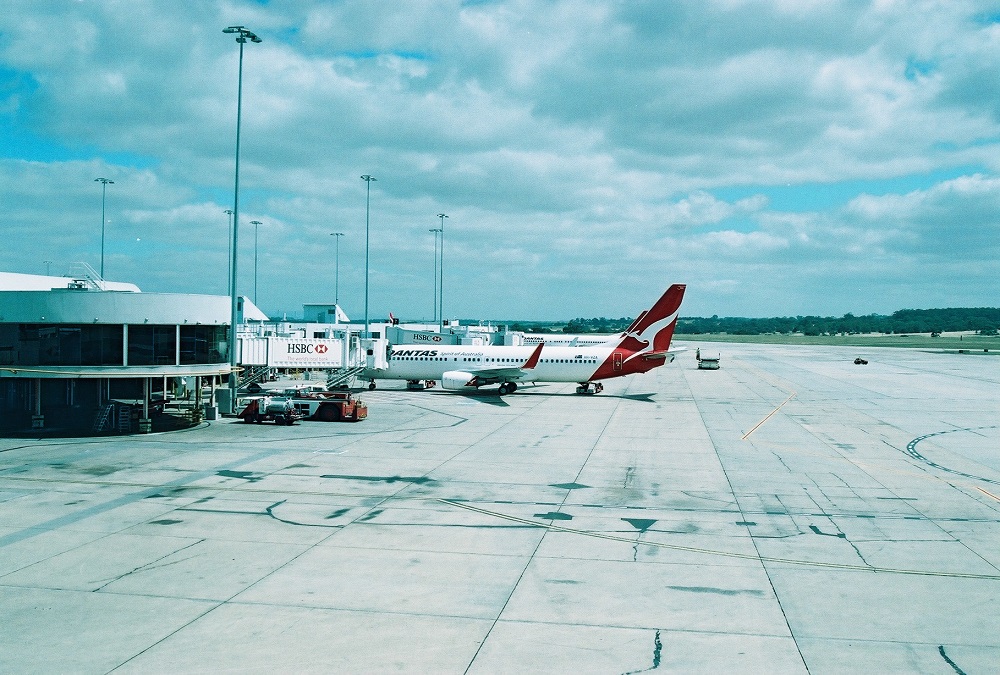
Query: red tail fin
[[654, 329], [645, 344]]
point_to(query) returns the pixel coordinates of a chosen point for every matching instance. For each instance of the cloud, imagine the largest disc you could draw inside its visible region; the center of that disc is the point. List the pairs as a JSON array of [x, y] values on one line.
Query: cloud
[[953, 218], [586, 153]]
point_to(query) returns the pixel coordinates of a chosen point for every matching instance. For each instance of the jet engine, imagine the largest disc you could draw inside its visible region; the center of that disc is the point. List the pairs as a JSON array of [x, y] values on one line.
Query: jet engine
[[457, 379]]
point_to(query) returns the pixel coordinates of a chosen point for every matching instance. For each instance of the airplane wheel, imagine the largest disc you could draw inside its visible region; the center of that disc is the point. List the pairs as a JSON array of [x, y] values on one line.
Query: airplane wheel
[[371, 386], [512, 386], [504, 389]]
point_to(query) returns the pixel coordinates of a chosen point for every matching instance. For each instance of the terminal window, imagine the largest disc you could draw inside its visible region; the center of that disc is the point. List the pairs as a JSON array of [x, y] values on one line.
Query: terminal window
[[204, 344], [61, 345], [152, 345]]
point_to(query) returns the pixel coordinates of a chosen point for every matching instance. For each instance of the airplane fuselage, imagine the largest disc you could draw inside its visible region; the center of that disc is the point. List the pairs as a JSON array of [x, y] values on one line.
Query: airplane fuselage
[[556, 364]]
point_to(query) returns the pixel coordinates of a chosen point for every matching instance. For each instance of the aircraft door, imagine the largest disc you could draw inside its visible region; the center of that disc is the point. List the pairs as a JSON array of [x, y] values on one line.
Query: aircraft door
[[616, 361]]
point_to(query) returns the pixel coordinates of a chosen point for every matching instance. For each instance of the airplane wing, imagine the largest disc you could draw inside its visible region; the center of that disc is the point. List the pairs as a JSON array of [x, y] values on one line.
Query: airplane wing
[[510, 373]]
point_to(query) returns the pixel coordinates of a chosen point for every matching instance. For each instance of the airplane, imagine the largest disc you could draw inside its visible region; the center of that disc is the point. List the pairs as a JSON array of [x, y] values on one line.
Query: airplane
[[643, 346], [581, 340]]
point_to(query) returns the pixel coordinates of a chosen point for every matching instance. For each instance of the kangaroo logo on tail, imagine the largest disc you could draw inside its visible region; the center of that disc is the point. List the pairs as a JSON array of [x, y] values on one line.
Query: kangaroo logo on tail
[[644, 345], [654, 329]]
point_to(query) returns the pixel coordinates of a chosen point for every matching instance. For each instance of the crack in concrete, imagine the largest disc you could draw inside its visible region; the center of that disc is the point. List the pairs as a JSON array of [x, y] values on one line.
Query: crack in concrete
[[948, 660], [153, 564], [657, 655]]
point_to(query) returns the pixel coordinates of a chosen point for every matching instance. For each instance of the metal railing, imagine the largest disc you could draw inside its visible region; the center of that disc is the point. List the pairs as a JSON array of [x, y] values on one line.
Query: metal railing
[[342, 376], [252, 374], [86, 275]]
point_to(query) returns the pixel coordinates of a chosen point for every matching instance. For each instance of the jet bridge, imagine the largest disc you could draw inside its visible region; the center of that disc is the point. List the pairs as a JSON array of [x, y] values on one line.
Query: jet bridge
[[343, 354]]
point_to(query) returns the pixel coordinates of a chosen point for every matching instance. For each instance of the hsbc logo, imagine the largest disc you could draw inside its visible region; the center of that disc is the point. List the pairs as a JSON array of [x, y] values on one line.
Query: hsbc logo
[[302, 348], [420, 337]]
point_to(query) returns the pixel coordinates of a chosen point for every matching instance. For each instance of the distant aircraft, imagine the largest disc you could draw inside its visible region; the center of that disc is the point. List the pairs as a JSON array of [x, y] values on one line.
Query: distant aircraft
[[643, 346]]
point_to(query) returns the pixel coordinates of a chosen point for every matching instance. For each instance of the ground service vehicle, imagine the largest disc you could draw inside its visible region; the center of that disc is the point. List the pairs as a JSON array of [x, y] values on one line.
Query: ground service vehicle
[[325, 406], [330, 406], [278, 409], [710, 362]]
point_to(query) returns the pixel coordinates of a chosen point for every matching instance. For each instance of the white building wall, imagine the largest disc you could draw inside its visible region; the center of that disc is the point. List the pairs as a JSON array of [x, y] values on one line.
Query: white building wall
[[112, 307]]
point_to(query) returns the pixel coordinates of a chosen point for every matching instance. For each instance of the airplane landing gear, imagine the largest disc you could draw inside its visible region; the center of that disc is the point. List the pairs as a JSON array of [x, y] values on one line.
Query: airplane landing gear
[[587, 388], [371, 385], [507, 388]]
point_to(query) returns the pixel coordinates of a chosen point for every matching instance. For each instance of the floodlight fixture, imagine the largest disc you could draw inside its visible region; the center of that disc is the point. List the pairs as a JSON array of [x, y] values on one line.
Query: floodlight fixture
[[242, 34]]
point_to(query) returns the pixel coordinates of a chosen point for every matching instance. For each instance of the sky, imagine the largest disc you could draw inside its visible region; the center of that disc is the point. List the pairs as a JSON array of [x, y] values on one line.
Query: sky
[[780, 157]]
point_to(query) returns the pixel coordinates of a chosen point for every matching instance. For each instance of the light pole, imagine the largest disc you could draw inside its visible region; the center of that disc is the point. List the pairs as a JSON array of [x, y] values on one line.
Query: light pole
[[229, 252], [104, 196], [336, 282], [441, 270], [256, 224], [47, 267], [435, 230], [368, 202], [242, 34]]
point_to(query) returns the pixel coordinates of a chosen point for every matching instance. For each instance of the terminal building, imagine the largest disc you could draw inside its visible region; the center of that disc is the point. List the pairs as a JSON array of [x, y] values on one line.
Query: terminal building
[[72, 347], [79, 353]]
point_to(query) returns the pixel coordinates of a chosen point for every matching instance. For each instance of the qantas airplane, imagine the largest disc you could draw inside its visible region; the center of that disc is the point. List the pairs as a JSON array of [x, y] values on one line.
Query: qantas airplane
[[643, 346]]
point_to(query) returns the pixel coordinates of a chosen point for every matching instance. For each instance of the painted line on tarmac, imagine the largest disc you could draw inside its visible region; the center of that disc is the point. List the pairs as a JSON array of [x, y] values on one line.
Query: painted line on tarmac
[[756, 426], [724, 554], [911, 450], [988, 494], [97, 509]]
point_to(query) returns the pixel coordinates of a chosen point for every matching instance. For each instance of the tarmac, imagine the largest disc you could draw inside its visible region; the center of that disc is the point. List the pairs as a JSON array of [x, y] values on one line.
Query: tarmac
[[791, 512]]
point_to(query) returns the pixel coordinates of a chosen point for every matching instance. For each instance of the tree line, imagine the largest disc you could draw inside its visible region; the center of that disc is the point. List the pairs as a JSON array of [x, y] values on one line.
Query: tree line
[[982, 320]]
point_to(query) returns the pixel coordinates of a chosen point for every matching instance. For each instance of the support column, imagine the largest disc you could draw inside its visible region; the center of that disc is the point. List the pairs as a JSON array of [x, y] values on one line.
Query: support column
[[197, 413], [145, 423], [37, 419], [212, 408]]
